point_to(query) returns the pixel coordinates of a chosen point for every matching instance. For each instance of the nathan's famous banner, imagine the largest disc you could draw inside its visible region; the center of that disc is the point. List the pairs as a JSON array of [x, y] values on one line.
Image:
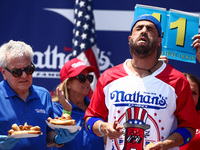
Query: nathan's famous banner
[[47, 26], [178, 28]]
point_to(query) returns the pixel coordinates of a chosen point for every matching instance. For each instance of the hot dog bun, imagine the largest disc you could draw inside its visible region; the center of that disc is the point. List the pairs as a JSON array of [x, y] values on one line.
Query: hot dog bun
[[15, 127], [10, 132], [149, 145], [24, 129], [62, 122], [65, 119]]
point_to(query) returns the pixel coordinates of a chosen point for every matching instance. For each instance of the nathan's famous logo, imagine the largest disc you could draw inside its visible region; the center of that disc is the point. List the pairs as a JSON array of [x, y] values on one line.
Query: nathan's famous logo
[[145, 99], [49, 62]]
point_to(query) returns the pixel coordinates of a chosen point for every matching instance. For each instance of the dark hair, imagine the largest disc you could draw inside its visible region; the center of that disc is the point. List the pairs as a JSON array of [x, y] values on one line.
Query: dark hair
[[197, 81]]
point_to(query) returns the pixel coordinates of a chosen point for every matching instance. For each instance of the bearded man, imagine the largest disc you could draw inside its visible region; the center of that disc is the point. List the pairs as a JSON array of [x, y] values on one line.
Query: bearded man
[[143, 95]]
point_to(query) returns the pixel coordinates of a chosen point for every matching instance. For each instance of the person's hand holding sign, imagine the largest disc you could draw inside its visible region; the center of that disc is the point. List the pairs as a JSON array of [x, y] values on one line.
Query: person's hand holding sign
[[196, 44]]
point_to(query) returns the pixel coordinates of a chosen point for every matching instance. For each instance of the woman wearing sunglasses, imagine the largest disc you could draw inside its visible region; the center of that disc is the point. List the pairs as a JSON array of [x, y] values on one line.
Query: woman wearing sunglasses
[[74, 88]]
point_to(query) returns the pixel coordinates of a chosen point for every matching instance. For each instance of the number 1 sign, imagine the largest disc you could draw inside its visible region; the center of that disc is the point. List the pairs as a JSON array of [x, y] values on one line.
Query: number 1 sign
[[178, 28]]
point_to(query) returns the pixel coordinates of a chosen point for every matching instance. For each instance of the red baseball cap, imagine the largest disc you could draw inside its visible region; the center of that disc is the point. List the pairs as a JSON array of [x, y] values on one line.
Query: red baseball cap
[[73, 68]]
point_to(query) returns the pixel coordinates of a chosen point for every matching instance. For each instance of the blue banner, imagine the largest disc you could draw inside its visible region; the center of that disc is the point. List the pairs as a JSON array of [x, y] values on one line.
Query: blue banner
[[47, 26], [178, 28]]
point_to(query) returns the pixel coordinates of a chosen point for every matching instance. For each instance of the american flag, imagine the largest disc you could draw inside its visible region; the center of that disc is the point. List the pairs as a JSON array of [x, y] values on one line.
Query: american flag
[[84, 38]]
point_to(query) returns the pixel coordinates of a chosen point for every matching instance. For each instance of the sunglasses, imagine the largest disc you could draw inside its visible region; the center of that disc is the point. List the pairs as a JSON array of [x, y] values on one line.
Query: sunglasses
[[18, 72], [82, 78]]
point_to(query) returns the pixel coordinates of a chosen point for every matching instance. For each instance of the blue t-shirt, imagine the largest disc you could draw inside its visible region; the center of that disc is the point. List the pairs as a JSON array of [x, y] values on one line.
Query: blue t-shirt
[[84, 140], [35, 110]]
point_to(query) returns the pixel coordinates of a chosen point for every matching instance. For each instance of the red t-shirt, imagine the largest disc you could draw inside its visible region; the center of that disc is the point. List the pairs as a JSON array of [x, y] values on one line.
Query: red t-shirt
[[165, 95]]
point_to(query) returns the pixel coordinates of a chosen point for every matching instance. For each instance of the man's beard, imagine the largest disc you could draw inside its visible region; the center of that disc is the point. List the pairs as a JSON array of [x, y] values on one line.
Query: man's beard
[[143, 50]]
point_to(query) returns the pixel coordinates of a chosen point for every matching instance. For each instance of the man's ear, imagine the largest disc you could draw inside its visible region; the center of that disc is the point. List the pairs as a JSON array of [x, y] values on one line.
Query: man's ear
[[3, 72], [129, 39]]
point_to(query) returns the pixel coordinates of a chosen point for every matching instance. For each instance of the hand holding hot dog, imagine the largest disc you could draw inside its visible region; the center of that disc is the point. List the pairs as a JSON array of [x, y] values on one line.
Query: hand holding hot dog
[[112, 130]]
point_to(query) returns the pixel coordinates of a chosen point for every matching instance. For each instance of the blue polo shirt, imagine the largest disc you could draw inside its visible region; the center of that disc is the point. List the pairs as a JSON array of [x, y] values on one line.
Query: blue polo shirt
[[84, 140], [35, 110]]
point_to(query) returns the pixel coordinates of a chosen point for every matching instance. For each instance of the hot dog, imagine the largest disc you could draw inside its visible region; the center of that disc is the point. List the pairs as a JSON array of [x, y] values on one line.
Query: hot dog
[[149, 145], [15, 127], [65, 119], [24, 129], [11, 132], [61, 122]]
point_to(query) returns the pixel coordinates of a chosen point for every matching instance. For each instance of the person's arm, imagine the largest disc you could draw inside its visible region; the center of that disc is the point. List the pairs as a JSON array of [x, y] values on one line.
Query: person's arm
[[64, 102], [101, 128], [196, 44], [50, 139], [174, 140]]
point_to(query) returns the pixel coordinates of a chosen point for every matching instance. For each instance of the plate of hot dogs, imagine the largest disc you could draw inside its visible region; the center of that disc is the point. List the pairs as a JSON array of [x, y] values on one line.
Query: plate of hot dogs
[[64, 122], [24, 131]]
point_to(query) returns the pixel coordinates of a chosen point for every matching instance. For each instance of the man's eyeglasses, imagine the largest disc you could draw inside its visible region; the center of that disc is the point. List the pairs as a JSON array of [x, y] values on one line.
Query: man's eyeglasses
[[18, 72], [82, 78]]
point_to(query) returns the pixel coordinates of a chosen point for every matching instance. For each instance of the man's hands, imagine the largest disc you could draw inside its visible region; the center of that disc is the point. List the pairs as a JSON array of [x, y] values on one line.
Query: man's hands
[[64, 136], [112, 130], [7, 143], [174, 140]]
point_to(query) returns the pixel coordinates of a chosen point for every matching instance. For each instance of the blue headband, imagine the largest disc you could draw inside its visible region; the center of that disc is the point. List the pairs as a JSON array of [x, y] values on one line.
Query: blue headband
[[149, 18]]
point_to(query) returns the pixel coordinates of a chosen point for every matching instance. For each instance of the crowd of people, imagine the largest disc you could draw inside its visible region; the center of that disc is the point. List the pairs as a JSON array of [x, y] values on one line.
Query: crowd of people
[[141, 102]]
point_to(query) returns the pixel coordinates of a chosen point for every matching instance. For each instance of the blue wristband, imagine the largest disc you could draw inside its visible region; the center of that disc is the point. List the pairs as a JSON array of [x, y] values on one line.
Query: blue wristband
[[185, 133], [91, 122]]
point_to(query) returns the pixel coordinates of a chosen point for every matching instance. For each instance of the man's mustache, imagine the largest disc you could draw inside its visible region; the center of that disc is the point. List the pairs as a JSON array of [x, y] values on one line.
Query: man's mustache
[[144, 35]]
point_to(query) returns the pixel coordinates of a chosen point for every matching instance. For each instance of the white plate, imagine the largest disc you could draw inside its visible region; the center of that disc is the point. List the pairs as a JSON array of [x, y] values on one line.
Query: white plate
[[71, 129], [23, 136]]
